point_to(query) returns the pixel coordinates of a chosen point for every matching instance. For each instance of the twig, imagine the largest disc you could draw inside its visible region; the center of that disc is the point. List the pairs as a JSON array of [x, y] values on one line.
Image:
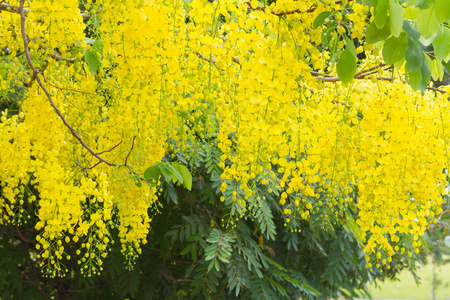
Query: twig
[[30, 83], [9, 7], [109, 150], [211, 217], [56, 55], [370, 69], [208, 60], [436, 89], [174, 258], [171, 278], [71, 90], [336, 79], [132, 145], [284, 13], [321, 74]]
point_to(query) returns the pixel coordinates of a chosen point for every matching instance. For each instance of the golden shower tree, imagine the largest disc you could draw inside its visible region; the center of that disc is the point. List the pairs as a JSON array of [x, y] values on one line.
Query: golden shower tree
[[312, 113]]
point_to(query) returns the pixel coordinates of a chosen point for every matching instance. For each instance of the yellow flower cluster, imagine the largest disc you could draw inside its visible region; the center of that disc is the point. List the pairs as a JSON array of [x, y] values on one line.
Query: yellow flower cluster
[[150, 72]]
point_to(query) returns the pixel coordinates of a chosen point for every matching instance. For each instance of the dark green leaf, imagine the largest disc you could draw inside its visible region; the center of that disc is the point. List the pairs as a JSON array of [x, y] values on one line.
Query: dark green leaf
[[426, 76], [411, 31], [394, 49], [415, 79], [414, 55]]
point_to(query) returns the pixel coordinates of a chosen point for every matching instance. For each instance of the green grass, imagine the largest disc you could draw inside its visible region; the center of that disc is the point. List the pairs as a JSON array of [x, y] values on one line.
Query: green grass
[[406, 288]]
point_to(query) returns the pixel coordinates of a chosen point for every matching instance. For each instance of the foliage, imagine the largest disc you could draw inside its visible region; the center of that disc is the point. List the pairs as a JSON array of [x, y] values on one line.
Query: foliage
[[213, 143]]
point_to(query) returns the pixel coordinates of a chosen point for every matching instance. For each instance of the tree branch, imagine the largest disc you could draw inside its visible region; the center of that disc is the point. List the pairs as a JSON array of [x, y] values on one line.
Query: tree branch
[[132, 145], [49, 97], [15, 9], [284, 13]]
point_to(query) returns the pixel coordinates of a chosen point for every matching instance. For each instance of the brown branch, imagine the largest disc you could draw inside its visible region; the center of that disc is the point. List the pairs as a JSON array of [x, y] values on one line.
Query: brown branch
[[174, 258], [30, 83], [49, 97], [15, 9], [321, 74], [9, 7], [370, 69], [55, 55], [279, 14], [436, 89], [208, 60], [132, 145], [336, 79], [341, 103], [211, 217], [367, 74], [71, 90], [109, 150], [171, 278], [284, 13]]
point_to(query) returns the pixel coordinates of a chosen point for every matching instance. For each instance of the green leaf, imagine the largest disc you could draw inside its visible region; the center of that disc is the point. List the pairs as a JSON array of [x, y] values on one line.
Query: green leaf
[[346, 66], [152, 172], [441, 43], [350, 46], [381, 13], [373, 34], [427, 22], [394, 49], [415, 78], [216, 264], [187, 176], [211, 264], [176, 175], [414, 55], [395, 17], [320, 19], [311, 289], [437, 70], [351, 226], [92, 60], [442, 10], [423, 4], [98, 45], [426, 76], [276, 285], [411, 31], [166, 172], [410, 12], [187, 249]]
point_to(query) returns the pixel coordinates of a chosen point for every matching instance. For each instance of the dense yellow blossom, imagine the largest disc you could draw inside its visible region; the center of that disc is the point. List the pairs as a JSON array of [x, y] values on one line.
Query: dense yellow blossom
[[182, 71]]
